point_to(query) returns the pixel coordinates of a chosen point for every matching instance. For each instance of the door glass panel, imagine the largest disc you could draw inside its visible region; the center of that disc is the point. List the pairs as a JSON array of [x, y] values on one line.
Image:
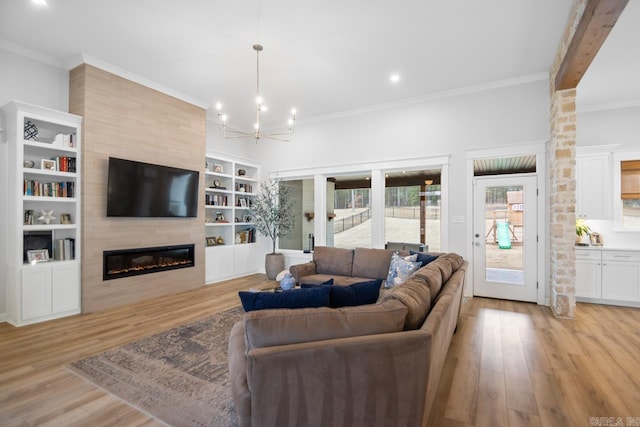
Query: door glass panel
[[504, 219]]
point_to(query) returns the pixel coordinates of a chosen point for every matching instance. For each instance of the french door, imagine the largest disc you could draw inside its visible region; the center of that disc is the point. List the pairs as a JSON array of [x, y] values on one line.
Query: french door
[[505, 237]]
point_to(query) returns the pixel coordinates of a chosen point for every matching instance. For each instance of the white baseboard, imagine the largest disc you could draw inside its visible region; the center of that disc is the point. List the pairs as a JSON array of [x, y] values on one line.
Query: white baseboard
[[3, 317]]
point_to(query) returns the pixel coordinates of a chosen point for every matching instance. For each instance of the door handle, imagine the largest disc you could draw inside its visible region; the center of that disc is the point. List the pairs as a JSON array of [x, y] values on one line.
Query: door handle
[[477, 243]]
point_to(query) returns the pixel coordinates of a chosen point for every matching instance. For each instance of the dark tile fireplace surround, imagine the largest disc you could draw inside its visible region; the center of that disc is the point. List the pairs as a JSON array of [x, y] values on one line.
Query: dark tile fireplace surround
[[132, 262]]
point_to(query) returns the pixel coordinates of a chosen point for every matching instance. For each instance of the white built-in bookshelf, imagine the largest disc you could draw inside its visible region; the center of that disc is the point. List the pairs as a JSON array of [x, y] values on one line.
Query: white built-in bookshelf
[[230, 187], [42, 217]]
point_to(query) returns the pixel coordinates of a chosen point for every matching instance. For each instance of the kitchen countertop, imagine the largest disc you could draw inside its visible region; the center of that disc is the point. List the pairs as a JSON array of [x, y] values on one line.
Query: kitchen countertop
[[605, 248]]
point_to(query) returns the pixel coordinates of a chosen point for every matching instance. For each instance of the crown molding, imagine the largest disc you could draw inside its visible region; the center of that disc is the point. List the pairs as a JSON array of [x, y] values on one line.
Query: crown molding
[[611, 106], [465, 90], [30, 53], [83, 58]]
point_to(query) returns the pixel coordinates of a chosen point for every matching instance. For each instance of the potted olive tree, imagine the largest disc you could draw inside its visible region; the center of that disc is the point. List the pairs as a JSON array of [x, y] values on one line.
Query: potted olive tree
[[272, 214]]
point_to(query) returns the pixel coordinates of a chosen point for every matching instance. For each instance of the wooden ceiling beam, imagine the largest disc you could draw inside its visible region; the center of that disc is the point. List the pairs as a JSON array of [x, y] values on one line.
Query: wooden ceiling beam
[[596, 23]]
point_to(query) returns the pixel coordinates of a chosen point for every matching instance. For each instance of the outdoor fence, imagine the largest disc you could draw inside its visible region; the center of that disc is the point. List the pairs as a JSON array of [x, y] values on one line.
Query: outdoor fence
[[345, 223], [408, 212]]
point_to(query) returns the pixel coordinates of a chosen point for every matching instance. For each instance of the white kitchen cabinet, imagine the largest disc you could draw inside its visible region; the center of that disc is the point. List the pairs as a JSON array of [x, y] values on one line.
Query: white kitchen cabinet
[[593, 182], [608, 276], [588, 273], [621, 275]]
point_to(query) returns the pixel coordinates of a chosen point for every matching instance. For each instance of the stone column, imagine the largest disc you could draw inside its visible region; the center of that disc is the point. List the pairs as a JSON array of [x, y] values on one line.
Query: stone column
[[563, 202]]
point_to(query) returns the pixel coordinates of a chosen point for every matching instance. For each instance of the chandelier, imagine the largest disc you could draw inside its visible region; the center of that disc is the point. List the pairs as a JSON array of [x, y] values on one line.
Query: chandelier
[[229, 132]]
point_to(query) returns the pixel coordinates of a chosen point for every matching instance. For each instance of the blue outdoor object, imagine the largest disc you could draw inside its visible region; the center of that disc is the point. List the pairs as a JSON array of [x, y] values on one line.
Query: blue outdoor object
[[504, 241]]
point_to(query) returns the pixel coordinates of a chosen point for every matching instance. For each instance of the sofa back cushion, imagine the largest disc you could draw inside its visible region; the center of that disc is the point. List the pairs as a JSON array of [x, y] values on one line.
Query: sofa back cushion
[[371, 263], [336, 261], [432, 276], [268, 328], [414, 295]]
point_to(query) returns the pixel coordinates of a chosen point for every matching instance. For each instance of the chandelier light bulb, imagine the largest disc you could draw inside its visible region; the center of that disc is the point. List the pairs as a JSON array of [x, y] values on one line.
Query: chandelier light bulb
[[224, 118], [257, 126], [293, 111], [263, 108], [290, 122], [259, 100], [218, 106]]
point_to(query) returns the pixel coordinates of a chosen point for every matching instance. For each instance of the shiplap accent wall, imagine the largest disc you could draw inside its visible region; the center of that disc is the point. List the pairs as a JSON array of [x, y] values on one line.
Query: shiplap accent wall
[[127, 120]]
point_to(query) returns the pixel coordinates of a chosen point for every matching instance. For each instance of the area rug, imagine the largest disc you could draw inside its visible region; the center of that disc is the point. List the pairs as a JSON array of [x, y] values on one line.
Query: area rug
[[180, 377]]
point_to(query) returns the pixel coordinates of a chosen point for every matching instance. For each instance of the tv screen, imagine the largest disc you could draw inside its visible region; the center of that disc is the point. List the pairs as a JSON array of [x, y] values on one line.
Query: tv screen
[[137, 189]]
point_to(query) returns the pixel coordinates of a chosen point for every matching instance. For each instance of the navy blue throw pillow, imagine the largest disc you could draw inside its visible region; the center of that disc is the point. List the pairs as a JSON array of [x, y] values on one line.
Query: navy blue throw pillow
[[423, 258], [309, 285], [357, 294], [293, 298]]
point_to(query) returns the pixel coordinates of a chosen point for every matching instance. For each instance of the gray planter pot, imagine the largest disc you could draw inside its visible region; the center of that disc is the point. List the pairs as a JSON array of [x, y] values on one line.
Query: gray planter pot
[[273, 264]]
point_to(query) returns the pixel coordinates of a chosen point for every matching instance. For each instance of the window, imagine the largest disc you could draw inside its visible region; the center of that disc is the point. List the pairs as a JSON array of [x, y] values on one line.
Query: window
[[351, 226], [301, 193], [630, 193]]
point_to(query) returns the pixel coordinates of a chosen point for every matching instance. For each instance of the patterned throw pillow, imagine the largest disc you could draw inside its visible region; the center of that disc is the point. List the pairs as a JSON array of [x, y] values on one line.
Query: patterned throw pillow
[[404, 270], [397, 260]]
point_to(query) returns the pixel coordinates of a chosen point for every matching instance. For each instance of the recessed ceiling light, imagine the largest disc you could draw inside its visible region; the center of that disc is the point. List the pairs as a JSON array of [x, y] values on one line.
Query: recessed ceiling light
[[39, 2], [395, 78]]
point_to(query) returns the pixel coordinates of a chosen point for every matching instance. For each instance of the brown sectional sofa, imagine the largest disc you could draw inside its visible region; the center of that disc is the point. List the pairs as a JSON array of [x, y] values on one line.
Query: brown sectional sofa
[[369, 365]]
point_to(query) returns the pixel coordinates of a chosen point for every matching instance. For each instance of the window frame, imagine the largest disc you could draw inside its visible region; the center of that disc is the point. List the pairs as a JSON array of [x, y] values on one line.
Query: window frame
[[618, 158]]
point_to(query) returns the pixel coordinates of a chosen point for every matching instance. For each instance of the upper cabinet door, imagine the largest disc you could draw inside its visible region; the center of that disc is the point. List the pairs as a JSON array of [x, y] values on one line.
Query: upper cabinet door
[[593, 182]]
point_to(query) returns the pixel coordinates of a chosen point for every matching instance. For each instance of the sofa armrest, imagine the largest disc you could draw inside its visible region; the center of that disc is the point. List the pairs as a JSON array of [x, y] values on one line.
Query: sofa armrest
[[238, 374], [300, 270], [376, 380]]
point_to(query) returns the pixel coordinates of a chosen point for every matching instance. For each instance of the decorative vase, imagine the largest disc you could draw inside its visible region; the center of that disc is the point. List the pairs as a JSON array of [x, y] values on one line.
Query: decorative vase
[[287, 282], [274, 264]]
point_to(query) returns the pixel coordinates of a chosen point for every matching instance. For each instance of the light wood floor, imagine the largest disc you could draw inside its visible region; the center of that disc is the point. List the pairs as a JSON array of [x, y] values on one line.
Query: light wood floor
[[509, 363]]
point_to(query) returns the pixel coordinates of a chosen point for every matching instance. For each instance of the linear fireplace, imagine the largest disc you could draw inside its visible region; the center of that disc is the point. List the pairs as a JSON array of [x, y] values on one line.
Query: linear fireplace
[[132, 262]]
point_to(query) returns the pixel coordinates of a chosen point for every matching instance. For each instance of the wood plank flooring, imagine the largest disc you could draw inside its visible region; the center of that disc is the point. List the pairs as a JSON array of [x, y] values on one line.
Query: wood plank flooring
[[509, 364]]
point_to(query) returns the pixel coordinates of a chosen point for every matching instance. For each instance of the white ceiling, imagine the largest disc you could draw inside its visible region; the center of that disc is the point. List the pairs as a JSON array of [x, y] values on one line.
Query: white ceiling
[[323, 57]]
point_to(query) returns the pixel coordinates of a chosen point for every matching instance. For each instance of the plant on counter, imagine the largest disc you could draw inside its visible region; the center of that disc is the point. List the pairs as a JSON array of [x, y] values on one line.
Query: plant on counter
[[582, 228]]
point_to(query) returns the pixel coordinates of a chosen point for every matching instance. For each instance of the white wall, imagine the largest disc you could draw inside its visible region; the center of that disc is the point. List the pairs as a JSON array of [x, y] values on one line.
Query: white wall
[[618, 126], [503, 116], [31, 81]]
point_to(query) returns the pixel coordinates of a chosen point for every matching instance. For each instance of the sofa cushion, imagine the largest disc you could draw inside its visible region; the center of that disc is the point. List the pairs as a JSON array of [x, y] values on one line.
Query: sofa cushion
[[423, 258], [333, 261], [293, 298], [280, 327], [371, 263], [414, 295], [455, 259], [318, 279], [445, 267], [432, 277]]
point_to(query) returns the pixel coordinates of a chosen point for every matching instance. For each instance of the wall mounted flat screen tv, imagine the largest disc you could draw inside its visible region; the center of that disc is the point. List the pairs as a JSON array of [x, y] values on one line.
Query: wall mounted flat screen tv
[[137, 189]]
